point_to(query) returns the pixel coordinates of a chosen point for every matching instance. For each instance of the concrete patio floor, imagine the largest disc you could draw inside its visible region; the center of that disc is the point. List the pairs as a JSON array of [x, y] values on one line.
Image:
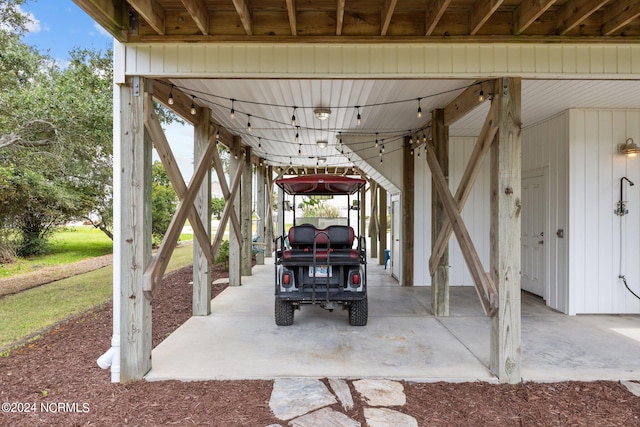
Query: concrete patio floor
[[403, 340]]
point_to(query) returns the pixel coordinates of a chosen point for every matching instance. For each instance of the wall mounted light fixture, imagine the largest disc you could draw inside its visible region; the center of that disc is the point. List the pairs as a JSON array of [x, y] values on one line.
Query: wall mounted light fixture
[[629, 149]]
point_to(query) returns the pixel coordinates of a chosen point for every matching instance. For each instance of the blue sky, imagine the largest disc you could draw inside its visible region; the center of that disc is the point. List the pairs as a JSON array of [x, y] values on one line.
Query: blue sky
[[58, 26]]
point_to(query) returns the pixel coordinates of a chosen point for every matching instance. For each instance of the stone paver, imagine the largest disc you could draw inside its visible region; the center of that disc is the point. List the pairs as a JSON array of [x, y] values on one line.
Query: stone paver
[[381, 392], [293, 397], [633, 387], [385, 417], [341, 390], [324, 417]]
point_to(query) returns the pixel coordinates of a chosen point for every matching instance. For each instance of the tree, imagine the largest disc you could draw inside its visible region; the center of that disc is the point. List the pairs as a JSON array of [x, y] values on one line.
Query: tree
[[217, 206], [164, 201]]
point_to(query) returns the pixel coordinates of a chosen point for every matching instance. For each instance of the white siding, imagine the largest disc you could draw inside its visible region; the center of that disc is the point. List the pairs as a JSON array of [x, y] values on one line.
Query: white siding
[[595, 170], [396, 60]]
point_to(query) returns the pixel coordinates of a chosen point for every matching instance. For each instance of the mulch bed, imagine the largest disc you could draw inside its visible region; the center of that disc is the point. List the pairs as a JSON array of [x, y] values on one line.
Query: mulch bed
[[60, 368]]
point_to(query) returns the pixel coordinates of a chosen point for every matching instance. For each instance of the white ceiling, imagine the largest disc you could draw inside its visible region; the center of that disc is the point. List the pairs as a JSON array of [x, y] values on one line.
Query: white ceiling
[[271, 118]]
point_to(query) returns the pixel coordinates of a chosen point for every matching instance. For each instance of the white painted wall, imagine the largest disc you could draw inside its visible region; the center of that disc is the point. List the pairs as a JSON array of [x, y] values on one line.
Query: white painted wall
[[595, 170]]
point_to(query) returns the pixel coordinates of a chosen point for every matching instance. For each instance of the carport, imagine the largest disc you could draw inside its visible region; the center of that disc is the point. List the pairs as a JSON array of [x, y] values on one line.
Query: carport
[[256, 76]]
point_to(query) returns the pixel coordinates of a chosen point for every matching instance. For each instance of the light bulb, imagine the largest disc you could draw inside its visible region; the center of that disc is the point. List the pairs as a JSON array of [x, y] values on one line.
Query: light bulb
[[193, 108], [232, 113], [481, 96], [170, 100]]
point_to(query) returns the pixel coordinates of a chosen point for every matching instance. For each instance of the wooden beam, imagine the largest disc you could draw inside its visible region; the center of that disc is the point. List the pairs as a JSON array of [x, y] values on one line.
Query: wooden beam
[[152, 12], [481, 12], [574, 12], [527, 13], [506, 175], [198, 11], [373, 220], [156, 268], [170, 164], [291, 11], [229, 196], [484, 285], [340, 17], [203, 258], [269, 236], [434, 12], [440, 274], [228, 211], [261, 211], [245, 15], [108, 14], [387, 13], [619, 15], [246, 197], [236, 166], [408, 217], [468, 100], [481, 148], [132, 205], [382, 194]]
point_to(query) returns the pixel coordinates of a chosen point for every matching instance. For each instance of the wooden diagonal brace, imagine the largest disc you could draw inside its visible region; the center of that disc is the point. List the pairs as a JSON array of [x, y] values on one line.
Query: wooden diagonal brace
[[156, 268], [483, 144], [228, 210], [217, 165], [484, 285], [161, 144]]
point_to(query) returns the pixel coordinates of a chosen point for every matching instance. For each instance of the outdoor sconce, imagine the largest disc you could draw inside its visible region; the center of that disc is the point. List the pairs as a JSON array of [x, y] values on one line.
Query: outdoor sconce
[[629, 149]]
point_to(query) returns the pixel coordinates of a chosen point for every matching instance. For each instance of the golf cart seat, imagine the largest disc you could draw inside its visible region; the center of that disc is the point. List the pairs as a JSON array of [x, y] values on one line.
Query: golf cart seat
[[335, 242]]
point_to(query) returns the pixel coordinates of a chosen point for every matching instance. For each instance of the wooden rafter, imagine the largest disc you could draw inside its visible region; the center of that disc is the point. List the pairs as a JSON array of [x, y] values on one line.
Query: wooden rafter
[[484, 285], [171, 166], [156, 268], [481, 12], [340, 17], [108, 14], [291, 11], [181, 102], [245, 15], [467, 101], [619, 15], [574, 12], [434, 12], [481, 148], [528, 12], [152, 12], [387, 14], [198, 11]]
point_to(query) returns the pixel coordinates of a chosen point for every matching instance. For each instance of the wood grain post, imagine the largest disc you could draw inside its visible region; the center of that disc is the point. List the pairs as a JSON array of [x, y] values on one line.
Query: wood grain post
[[262, 213], [201, 305], [133, 210], [246, 220], [408, 182], [363, 212], [382, 212], [269, 206], [440, 278], [506, 347], [373, 219], [234, 242]]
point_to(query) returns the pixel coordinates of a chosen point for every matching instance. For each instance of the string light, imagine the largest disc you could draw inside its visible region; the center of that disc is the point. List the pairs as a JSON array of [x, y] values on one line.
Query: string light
[[248, 122], [218, 134], [170, 100], [232, 113], [259, 142], [358, 117], [376, 139], [419, 109], [193, 106], [481, 96], [382, 149], [293, 117], [411, 151], [424, 137], [410, 139], [418, 152], [300, 149]]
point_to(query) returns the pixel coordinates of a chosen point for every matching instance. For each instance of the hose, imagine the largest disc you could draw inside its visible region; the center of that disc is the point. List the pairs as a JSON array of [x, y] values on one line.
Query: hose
[[620, 275]]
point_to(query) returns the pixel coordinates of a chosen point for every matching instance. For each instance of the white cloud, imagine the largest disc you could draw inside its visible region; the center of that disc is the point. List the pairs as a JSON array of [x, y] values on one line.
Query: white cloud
[[32, 23], [101, 30]]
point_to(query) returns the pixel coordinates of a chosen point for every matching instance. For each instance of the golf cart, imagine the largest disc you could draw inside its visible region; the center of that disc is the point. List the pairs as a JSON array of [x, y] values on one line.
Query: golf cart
[[321, 265]]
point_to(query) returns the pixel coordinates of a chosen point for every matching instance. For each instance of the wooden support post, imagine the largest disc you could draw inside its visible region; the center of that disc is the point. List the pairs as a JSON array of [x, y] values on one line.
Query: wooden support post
[[246, 220], [363, 212], [269, 205], [408, 182], [235, 240], [439, 278], [262, 214], [506, 346], [373, 219], [201, 305], [132, 210], [382, 212]]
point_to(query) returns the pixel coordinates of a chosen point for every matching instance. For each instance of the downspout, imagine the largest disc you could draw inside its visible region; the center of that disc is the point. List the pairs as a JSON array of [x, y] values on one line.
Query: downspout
[[111, 358]]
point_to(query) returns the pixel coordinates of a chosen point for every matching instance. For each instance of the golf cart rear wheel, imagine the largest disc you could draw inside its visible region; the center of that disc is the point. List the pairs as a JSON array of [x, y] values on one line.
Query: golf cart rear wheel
[[358, 312], [284, 313]]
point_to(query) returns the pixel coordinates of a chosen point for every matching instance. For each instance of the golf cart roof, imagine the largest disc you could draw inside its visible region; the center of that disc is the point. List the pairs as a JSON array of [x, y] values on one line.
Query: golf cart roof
[[319, 185]]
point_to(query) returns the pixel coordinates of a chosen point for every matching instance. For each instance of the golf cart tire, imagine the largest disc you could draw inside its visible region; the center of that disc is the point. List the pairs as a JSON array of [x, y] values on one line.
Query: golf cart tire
[[358, 312], [284, 313]]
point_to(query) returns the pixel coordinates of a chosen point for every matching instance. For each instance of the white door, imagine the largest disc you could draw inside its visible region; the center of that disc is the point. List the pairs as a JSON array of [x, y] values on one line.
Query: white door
[[396, 216], [534, 226]]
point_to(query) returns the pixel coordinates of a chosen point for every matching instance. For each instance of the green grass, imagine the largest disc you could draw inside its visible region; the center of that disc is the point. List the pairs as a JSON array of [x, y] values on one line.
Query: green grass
[[30, 311], [69, 245]]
